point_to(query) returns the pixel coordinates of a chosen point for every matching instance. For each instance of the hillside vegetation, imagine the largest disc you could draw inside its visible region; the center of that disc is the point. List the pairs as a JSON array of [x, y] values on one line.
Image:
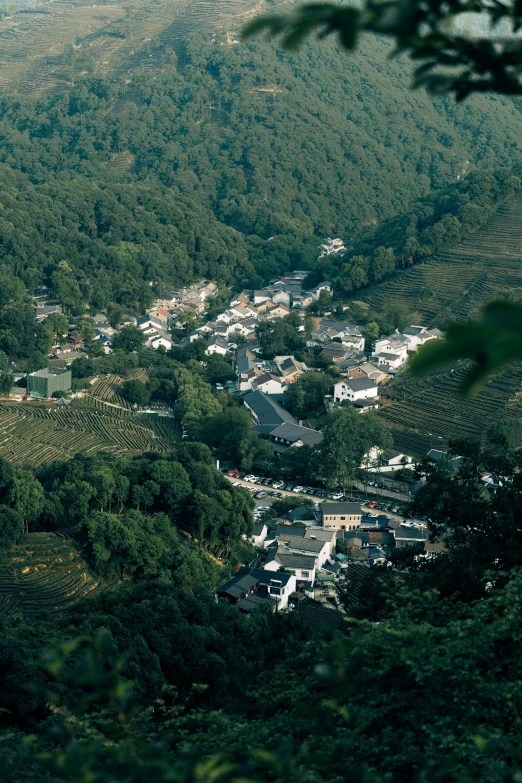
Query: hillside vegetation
[[226, 160]]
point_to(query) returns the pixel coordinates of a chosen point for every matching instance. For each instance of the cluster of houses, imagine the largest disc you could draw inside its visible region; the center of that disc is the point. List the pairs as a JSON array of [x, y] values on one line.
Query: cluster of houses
[[363, 376], [248, 309], [299, 555]]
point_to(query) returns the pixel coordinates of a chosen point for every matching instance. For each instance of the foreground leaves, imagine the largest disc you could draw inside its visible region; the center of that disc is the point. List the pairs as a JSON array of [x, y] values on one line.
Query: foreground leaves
[[491, 342], [433, 34]]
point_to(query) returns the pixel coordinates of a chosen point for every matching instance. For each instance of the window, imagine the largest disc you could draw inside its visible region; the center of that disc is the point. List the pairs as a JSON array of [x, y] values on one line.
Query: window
[[343, 527], [343, 518], [275, 590], [305, 574]]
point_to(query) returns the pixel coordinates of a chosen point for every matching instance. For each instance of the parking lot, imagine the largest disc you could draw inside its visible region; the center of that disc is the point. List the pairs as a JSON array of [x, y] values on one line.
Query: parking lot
[[266, 490]]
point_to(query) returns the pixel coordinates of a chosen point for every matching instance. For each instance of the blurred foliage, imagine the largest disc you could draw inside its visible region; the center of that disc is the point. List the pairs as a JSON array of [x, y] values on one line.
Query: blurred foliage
[[451, 52]]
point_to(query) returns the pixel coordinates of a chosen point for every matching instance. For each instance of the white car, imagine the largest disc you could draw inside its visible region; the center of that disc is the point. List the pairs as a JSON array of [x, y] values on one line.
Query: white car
[[278, 484], [337, 496], [297, 489]]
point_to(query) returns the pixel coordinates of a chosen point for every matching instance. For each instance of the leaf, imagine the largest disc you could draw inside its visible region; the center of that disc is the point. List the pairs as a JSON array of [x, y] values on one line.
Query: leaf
[[490, 343]]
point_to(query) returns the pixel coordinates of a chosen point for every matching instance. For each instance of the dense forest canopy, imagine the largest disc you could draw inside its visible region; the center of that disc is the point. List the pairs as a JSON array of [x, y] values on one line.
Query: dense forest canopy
[[233, 162]]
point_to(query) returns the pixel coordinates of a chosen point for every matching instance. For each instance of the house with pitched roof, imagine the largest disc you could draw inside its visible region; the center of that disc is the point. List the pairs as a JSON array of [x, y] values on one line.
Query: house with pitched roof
[[266, 413], [289, 434], [342, 516], [217, 344], [250, 588], [353, 389]]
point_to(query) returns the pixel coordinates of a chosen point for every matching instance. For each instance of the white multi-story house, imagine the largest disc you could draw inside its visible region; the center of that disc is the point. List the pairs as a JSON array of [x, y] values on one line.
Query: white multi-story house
[[355, 389], [396, 344]]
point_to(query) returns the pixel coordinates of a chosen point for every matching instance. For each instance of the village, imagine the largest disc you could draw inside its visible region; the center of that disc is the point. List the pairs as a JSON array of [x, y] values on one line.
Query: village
[[309, 550]]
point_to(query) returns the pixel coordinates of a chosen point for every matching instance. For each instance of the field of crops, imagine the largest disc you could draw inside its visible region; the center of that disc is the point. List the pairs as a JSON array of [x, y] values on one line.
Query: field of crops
[[457, 282], [44, 574], [427, 413], [35, 435]]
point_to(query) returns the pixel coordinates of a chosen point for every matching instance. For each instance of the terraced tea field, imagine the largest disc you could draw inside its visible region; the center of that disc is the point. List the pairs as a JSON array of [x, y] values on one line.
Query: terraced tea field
[[427, 413], [48, 47], [44, 574], [457, 282], [35, 435]]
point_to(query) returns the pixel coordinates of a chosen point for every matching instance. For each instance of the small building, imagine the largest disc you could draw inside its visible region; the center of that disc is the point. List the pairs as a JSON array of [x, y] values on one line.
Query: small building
[[289, 434], [45, 310], [268, 383], [410, 536], [217, 344], [160, 339], [367, 370], [266, 413], [43, 383], [342, 516], [301, 566], [253, 587], [355, 389], [17, 393], [259, 534]]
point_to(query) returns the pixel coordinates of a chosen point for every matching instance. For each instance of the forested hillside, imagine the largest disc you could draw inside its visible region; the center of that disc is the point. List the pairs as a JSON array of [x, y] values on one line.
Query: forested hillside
[[231, 161]]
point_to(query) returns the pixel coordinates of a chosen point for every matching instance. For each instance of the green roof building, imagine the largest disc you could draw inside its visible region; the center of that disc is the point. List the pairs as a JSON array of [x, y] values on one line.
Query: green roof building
[[44, 383]]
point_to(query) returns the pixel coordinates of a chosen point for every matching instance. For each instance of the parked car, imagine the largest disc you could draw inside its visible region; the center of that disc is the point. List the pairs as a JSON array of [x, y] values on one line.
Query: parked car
[[261, 494], [298, 488], [337, 496], [380, 485], [278, 484], [372, 504]]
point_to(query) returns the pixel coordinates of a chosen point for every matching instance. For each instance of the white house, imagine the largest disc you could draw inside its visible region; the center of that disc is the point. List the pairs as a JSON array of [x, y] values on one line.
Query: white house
[[268, 383], [261, 296], [355, 389], [395, 462], [419, 335], [316, 292], [390, 360], [252, 587], [259, 534], [393, 344], [217, 344], [281, 297], [301, 566], [148, 323], [225, 317], [287, 541], [159, 338]]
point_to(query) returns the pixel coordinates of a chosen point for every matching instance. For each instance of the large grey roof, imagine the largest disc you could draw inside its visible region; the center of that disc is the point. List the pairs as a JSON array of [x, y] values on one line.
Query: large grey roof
[[360, 384], [340, 508], [267, 411], [294, 432], [301, 544], [414, 330], [410, 534], [291, 530], [291, 560], [245, 578]]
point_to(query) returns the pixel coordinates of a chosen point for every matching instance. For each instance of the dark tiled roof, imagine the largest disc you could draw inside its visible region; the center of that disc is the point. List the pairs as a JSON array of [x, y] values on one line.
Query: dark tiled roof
[[340, 508], [360, 384], [267, 411], [295, 432]]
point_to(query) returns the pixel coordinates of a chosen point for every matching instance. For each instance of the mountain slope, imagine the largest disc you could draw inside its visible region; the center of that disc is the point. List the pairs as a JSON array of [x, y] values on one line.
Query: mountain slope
[[275, 150]]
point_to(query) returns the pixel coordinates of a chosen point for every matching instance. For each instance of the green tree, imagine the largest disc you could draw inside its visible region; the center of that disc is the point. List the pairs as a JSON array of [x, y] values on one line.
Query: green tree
[[304, 397], [128, 339], [135, 392]]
